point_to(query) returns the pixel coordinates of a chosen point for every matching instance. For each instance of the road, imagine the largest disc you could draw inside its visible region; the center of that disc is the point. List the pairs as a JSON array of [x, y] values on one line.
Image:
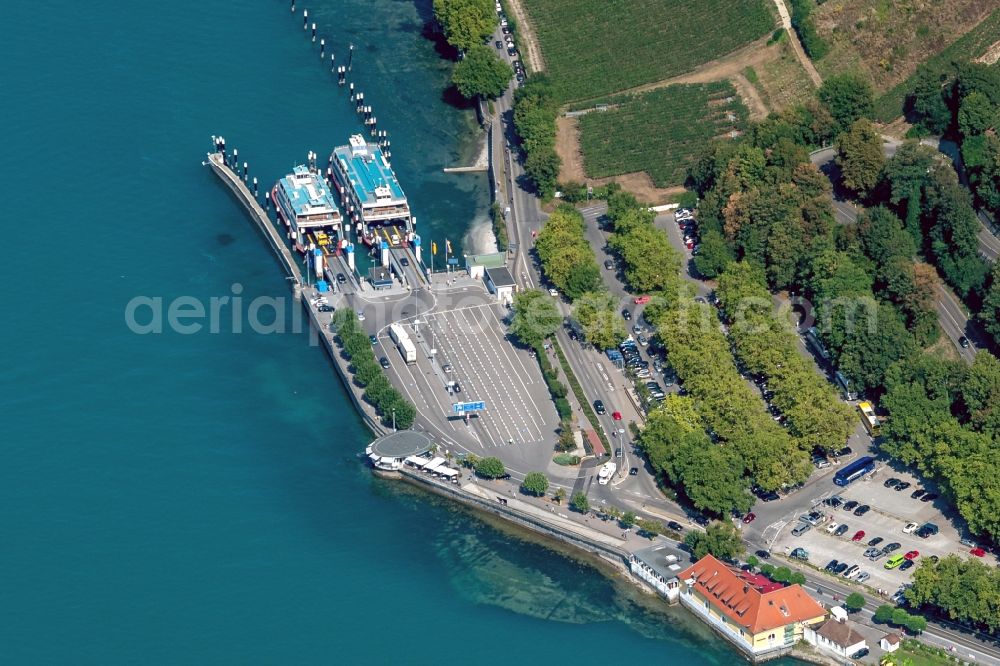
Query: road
[[640, 493], [952, 317]]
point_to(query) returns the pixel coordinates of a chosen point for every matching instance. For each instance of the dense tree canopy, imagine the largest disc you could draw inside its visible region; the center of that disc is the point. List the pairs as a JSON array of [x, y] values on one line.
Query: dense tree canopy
[[536, 316], [466, 23], [721, 539], [481, 73], [597, 314], [535, 112], [860, 157], [848, 97], [535, 483], [565, 252], [966, 589]]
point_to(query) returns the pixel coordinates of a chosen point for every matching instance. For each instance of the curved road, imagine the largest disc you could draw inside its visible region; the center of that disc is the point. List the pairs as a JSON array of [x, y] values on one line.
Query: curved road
[[952, 317]]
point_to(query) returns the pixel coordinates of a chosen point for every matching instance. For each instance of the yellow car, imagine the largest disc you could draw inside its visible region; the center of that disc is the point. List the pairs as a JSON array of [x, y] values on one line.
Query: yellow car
[[894, 561]]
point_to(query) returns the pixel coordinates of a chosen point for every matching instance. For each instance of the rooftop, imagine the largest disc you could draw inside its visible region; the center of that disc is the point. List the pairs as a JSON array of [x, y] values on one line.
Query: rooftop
[[500, 277], [307, 193], [840, 633], [401, 444], [369, 172], [745, 604], [491, 260]]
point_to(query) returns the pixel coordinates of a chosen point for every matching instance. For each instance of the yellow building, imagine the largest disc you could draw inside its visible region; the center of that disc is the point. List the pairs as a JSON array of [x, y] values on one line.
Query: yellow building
[[762, 618]]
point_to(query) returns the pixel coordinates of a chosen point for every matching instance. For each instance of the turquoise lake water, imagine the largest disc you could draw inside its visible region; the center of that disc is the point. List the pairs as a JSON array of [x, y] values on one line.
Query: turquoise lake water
[[197, 498]]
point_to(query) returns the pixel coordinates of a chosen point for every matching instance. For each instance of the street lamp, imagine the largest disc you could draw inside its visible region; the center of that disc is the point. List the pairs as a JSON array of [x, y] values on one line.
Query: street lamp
[[394, 419]]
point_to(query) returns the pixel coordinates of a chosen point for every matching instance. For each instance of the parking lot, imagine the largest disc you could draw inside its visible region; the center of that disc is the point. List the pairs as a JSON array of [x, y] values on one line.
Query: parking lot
[[890, 512], [471, 351]]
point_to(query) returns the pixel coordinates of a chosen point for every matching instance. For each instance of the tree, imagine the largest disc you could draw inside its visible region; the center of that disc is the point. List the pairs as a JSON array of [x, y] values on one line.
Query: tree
[[854, 602], [542, 167], [916, 624], [976, 114], [481, 73], [797, 578], [848, 97], [563, 248], [490, 468], [536, 317], [927, 102], [781, 575], [580, 502], [721, 539], [582, 278], [535, 483], [883, 614], [628, 519], [560, 495], [651, 262], [598, 315], [860, 157], [714, 254], [753, 561], [899, 617], [465, 23]]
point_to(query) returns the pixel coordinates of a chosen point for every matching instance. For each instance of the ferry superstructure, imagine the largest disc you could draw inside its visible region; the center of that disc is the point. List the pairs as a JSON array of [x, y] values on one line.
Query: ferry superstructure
[[306, 206], [369, 192]]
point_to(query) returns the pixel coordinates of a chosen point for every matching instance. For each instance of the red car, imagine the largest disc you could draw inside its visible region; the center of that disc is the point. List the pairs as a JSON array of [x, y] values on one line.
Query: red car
[[858, 536], [617, 416], [749, 518], [912, 555], [978, 552], [641, 300]]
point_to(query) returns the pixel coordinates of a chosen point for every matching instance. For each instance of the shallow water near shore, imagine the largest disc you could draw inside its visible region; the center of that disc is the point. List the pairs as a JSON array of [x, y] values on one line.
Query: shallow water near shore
[[197, 497]]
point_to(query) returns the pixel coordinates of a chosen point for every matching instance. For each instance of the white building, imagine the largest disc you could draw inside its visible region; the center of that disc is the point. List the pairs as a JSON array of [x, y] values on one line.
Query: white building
[[500, 283], [836, 636], [889, 643]]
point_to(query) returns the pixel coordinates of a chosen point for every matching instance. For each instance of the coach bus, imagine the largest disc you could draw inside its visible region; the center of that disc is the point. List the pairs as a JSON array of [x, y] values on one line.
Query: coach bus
[[871, 420], [854, 471]]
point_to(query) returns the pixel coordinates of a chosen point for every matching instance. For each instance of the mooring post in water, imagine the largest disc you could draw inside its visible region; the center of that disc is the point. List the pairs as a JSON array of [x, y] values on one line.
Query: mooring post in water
[[314, 33], [255, 195], [322, 49], [333, 59], [341, 78], [236, 157], [350, 56], [305, 19], [352, 85], [245, 167]]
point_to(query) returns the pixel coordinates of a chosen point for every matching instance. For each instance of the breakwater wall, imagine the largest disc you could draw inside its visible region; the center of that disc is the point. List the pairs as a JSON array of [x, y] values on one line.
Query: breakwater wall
[[287, 261]]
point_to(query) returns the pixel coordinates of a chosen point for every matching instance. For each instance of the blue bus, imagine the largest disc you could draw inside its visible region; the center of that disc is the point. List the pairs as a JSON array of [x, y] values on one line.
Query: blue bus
[[854, 471]]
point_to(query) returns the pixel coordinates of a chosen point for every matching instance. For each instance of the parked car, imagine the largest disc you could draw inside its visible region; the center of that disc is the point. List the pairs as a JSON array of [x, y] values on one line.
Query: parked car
[[929, 497], [890, 547], [831, 565], [800, 554], [851, 571], [840, 568], [978, 552], [862, 510], [927, 530], [834, 501], [608, 264], [850, 506], [325, 308], [863, 576], [675, 526], [762, 554], [626, 314], [863, 652], [919, 492], [871, 551], [902, 485], [891, 483], [841, 531], [910, 528], [640, 300], [858, 536], [800, 529], [912, 555], [906, 564], [876, 541], [749, 518], [832, 527]]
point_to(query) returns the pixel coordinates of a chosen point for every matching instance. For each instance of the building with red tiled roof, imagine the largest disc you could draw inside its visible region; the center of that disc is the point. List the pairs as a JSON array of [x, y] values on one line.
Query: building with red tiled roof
[[763, 621]]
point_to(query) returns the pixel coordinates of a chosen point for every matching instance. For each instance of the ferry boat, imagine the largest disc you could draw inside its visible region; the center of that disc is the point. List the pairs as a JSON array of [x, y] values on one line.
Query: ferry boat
[[306, 207], [370, 194]]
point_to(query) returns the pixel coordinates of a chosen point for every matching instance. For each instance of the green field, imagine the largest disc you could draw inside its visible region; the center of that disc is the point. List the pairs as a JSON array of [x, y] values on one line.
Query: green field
[[972, 44], [595, 47], [660, 132]]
